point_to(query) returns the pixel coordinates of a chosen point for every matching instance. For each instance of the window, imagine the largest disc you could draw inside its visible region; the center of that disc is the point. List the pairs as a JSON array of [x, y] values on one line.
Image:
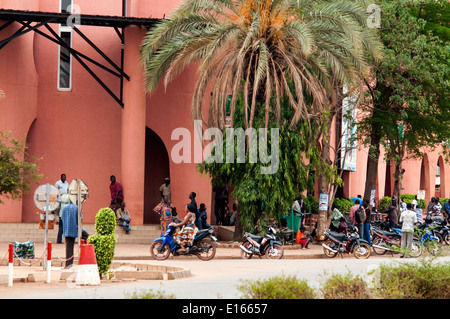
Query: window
[[65, 63], [64, 5], [64, 57]]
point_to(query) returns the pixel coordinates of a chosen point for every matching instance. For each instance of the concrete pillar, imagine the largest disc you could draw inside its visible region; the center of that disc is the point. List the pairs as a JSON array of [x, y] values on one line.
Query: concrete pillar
[[133, 127]]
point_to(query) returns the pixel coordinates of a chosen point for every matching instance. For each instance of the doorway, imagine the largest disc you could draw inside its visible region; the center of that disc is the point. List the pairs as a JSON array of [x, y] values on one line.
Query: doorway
[[157, 168]]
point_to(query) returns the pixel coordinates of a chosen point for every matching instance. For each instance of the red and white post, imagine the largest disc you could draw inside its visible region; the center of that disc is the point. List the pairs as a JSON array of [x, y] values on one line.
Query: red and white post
[[49, 262], [10, 265]]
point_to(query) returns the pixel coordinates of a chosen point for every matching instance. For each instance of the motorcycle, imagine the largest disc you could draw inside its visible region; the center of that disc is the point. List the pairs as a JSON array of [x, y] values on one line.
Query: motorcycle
[[267, 245], [384, 241], [428, 239], [348, 243], [203, 246], [439, 228]]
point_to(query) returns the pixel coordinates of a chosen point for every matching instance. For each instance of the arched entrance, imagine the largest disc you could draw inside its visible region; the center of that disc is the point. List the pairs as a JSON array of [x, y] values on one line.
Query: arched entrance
[[157, 168]]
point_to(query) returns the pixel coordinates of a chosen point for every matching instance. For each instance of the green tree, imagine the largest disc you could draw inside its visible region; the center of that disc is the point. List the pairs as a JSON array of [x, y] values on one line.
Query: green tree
[[409, 103], [16, 175], [260, 195], [258, 47]]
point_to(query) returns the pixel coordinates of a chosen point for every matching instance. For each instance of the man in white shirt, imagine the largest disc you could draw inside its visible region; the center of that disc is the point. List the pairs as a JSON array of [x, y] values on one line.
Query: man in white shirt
[[62, 185], [407, 218], [63, 188]]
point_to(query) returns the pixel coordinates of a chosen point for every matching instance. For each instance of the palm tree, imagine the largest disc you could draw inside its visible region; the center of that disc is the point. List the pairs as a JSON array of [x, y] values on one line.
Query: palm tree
[[259, 48]]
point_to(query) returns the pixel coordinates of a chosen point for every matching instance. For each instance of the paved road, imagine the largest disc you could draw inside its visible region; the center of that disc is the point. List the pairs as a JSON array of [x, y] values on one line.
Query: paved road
[[215, 279]]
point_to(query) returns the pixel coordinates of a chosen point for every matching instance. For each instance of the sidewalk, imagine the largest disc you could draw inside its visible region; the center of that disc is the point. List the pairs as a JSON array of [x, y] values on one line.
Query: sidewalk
[[225, 250], [127, 256]]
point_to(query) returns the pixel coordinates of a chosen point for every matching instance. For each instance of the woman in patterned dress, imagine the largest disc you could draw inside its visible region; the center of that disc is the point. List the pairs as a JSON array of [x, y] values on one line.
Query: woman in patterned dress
[[164, 209], [185, 237]]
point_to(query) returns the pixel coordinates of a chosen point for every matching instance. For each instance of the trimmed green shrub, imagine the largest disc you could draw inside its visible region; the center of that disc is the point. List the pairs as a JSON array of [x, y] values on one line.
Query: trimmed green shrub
[[279, 287], [421, 280], [104, 240], [345, 287]]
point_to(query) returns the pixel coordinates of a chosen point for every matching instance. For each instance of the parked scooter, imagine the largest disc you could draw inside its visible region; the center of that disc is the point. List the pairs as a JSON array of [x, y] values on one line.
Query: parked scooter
[[427, 239], [267, 245], [203, 246], [346, 243], [384, 241], [439, 227]]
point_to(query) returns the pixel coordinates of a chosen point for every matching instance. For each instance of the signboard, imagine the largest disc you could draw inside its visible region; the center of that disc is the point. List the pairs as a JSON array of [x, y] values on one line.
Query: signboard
[[348, 133], [323, 201], [40, 197], [78, 193], [46, 199], [421, 194], [372, 197], [75, 187]]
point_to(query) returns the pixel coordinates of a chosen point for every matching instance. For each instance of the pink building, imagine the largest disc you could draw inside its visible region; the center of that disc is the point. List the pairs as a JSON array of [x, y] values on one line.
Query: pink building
[[77, 96]]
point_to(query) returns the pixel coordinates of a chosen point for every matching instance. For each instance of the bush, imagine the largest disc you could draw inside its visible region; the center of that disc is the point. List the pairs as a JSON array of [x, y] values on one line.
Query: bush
[[279, 287], [149, 294], [421, 280], [311, 204], [105, 240], [344, 287], [343, 204]]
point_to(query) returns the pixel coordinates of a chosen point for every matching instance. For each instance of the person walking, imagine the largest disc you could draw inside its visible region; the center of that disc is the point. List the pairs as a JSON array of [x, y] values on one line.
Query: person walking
[[165, 190], [368, 212], [165, 211], [116, 194], [63, 187], [354, 217], [392, 212], [63, 201], [408, 218], [70, 230]]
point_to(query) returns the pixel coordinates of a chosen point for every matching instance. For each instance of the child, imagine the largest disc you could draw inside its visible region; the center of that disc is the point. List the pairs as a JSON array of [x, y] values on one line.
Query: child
[[301, 240]]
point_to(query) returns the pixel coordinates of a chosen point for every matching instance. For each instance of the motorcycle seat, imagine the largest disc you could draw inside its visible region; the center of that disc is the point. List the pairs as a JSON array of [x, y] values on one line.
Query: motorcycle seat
[[388, 233], [337, 236], [255, 237]]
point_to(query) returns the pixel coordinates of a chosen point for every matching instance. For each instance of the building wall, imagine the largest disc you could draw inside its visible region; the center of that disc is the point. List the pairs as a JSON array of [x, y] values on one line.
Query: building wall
[[85, 134]]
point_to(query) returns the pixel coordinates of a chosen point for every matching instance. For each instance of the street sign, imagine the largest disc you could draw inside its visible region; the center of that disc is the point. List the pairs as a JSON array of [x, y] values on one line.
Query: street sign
[[78, 188], [78, 193], [46, 199], [40, 197]]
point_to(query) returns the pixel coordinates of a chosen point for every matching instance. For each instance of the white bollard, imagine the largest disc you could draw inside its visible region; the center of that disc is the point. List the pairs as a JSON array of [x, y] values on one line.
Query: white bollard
[[10, 266]]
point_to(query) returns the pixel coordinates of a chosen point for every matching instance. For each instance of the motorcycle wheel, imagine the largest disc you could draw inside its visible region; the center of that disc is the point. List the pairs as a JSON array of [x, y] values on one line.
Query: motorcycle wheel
[[380, 242], [446, 239], [362, 251], [208, 249], [434, 247], [327, 252], [160, 251], [249, 247], [416, 249], [275, 252]]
